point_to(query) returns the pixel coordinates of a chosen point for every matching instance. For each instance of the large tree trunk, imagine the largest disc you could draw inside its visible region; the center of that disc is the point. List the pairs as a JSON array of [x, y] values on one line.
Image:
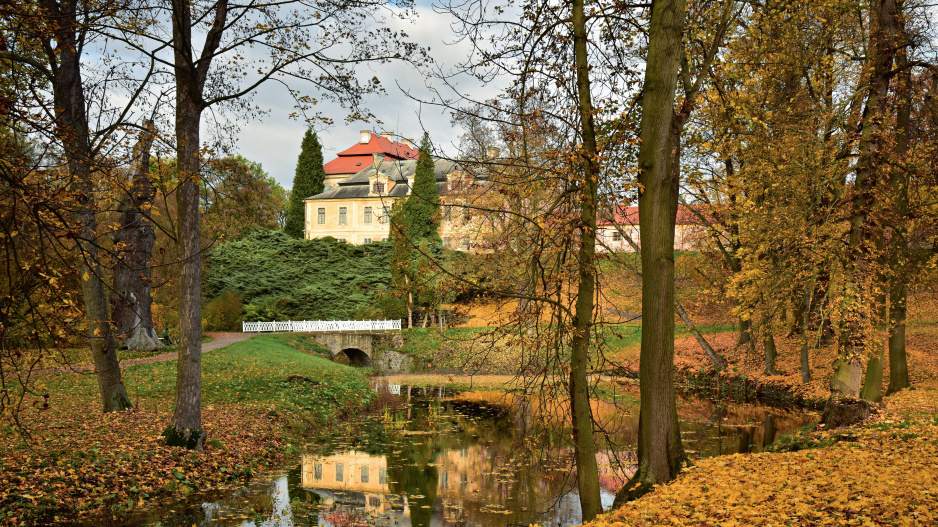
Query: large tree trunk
[[581, 414], [898, 288], [131, 298], [72, 122], [660, 452], [863, 223], [186, 426], [898, 364]]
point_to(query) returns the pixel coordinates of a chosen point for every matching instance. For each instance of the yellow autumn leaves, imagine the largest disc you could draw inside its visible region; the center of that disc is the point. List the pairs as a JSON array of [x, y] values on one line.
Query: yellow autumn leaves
[[883, 473]]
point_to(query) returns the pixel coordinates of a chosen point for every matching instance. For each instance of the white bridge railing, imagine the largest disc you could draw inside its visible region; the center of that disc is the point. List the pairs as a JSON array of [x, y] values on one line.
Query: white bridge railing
[[321, 325]]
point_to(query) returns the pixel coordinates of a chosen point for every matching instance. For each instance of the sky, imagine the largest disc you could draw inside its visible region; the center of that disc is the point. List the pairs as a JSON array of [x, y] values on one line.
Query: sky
[[274, 139]]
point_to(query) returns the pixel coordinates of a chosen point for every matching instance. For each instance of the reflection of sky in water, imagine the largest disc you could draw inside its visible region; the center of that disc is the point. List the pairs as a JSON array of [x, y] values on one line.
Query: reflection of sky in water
[[439, 464]]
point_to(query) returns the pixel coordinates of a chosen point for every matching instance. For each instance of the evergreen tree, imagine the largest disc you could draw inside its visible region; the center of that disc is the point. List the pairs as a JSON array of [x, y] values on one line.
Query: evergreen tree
[[307, 182], [422, 208], [402, 268]]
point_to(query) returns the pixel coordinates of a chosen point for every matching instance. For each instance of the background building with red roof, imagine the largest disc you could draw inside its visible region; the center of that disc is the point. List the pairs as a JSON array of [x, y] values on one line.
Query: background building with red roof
[[361, 155], [364, 181], [615, 227]]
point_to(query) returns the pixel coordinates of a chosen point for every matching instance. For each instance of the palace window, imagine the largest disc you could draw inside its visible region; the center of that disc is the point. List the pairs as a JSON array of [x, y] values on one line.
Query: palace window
[[368, 214], [343, 215], [321, 216], [367, 241], [378, 188], [364, 474], [317, 471], [616, 236], [339, 472], [385, 214], [382, 475]]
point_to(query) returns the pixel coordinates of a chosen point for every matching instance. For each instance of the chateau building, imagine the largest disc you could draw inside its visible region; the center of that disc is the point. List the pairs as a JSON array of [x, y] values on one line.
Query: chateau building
[[362, 184]]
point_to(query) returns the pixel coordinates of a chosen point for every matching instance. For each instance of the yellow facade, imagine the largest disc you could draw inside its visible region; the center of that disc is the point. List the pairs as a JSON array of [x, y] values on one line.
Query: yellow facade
[[357, 208], [363, 221]]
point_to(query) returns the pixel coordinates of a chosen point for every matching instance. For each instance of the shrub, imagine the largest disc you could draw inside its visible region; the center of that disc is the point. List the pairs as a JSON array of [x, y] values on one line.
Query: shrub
[[224, 312], [282, 278]]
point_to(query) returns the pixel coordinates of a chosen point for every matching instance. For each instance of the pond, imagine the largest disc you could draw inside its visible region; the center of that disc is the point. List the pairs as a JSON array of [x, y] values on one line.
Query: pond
[[439, 458]]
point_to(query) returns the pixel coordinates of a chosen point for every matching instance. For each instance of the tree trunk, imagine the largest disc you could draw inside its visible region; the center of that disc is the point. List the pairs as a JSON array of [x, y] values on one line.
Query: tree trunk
[[898, 288], [898, 365], [745, 332], [771, 352], [660, 452], [805, 361], [131, 297], [873, 381], [186, 426], [72, 121], [581, 414], [708, 349], [805, 357], [863, 223], [410, 308]]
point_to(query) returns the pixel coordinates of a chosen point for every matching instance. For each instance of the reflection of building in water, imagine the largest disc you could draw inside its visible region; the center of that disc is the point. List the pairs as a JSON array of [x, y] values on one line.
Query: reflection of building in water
[[350, 471], [460, 471], [353, 479], [470, 484]]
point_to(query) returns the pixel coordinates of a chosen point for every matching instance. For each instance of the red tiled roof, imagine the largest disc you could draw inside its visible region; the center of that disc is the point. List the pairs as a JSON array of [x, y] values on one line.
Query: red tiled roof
[[359, 156], [629, 216]]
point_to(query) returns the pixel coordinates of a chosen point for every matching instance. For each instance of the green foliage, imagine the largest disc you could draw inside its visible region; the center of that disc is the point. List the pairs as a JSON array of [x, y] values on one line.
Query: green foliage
[[224, 312], [401, 264], [422, 208], [307, 182], [282, 278]]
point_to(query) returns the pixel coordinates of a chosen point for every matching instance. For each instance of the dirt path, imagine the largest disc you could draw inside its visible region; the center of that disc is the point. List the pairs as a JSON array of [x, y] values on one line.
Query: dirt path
[[219, 340]]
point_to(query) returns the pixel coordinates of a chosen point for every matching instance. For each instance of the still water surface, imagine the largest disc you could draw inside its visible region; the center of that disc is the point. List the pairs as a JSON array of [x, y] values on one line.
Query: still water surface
[[438, 460]]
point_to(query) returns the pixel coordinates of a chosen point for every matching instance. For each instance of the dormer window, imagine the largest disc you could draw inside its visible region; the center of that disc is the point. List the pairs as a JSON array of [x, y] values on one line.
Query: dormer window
[[377, 187]]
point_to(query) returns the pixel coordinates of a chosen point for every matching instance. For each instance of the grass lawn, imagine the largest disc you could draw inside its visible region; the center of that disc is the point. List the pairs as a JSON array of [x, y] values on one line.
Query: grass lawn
[[77, 462]]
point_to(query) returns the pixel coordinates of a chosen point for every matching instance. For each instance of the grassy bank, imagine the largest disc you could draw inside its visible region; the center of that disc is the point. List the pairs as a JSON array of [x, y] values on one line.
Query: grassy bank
[[258, 395], [475, 351]]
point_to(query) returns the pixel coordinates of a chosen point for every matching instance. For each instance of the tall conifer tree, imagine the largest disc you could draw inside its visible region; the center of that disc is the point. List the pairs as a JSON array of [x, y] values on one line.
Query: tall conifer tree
[[307, 182], [422, 208]]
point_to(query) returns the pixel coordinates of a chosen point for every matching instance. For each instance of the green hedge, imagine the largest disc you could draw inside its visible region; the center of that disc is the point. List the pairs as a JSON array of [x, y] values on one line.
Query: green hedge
[[281, 278]]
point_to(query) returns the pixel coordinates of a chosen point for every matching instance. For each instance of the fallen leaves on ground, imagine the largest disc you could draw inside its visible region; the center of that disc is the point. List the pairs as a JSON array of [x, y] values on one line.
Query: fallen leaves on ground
[[884, 472], [116, 462]]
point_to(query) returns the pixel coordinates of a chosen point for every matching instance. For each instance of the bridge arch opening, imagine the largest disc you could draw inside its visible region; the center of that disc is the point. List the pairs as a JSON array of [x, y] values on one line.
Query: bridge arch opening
[[353, 357]]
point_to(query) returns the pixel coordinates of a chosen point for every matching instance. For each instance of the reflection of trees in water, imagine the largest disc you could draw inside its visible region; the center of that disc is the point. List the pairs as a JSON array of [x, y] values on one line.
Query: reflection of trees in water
[[464, 463]]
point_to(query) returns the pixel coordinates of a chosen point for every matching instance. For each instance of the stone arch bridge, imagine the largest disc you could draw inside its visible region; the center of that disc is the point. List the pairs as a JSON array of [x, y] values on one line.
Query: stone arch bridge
[[366, 349]]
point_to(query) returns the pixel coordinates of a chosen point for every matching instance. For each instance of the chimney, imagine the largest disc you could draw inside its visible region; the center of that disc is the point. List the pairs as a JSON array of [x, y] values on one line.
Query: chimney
[[493, 152], [388, 135], [408, 142], [366, 137], [376, 159]]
